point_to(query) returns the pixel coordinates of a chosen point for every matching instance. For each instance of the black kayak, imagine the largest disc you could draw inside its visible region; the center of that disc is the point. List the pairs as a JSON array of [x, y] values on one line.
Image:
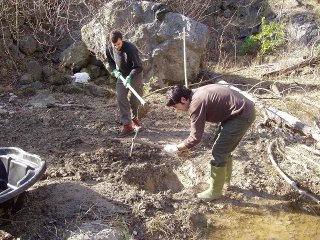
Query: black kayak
[[19, 170]]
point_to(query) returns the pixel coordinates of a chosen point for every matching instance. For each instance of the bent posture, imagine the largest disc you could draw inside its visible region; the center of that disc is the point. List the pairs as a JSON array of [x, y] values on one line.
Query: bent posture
[[123, 61], [213, 103]]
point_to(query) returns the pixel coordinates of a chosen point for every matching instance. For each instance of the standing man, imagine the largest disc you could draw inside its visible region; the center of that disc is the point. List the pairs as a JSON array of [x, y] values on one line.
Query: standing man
[[213, 103], [123, 60]]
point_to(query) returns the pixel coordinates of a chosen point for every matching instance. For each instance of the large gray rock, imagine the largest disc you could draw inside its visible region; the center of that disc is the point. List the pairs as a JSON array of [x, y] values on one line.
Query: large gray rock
[[75, 57], [303, 29], [28, 45], [35, 69], [160, 43], [26, 79]]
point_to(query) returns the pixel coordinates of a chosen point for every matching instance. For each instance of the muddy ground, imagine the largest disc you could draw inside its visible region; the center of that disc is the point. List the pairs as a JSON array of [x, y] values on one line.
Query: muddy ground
[[93, 189]]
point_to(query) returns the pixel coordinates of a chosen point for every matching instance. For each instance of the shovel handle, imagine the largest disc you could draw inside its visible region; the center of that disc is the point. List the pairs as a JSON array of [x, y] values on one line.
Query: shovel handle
[[142, 101]]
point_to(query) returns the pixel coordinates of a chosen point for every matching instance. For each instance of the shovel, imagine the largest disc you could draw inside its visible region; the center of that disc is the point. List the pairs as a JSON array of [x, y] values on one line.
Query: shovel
[[132, 90]]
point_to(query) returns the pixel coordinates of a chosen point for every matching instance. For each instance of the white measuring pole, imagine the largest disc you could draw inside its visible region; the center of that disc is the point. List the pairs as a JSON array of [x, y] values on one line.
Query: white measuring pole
[[132, 90], [185, 57]]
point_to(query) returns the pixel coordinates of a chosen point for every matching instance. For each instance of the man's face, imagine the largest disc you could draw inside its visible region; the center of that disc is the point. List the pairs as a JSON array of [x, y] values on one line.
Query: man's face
[[183, 105], [118, 44]]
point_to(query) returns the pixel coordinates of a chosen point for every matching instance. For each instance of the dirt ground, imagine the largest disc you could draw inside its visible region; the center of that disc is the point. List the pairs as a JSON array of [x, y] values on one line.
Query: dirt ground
[[93, 189]]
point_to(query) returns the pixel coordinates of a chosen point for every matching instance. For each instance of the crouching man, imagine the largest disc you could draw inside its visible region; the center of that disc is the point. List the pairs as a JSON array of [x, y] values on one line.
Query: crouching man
[[218, 104]]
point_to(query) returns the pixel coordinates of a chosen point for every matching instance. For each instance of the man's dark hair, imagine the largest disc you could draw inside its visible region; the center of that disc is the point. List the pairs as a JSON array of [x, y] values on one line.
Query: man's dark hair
[[114, 36], [175, 94]]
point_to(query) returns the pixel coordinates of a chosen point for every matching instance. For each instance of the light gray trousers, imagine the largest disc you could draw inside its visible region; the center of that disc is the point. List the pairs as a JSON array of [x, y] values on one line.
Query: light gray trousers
[[129, 105]]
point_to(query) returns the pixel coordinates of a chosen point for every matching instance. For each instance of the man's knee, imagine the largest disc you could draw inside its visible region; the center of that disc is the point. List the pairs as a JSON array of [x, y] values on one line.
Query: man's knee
[[219, 159]]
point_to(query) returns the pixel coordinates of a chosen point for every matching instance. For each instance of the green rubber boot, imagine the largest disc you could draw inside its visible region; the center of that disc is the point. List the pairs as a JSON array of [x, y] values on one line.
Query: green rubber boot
[[228, 172], [218, 175]]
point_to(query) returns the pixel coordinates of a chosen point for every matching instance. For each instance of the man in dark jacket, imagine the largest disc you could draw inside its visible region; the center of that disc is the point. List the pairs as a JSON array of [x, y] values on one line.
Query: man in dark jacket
[[213, 103], [123, 61]]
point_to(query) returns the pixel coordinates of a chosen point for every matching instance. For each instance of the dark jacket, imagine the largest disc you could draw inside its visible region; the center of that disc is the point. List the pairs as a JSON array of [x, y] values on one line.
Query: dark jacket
[[127, 59]]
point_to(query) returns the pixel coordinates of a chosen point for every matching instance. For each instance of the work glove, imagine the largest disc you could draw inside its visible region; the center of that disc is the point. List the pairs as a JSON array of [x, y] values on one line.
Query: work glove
[[117, 73], [128, 81], [171, 148]]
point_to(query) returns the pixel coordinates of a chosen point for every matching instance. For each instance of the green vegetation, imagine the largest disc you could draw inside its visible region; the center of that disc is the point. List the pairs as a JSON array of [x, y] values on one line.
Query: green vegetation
[[270, 37]]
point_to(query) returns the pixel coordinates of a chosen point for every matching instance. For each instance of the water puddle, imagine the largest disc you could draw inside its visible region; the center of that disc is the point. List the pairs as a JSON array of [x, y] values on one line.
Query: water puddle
[[251, 223]]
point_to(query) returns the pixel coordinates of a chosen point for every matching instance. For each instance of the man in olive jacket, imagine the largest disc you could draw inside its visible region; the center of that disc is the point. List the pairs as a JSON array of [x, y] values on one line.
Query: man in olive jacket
[[123, 61], [219, 104]]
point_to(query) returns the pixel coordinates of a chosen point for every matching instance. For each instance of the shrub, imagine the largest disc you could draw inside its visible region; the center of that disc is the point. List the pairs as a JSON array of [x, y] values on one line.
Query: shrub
[[270, 37], [250, 45]]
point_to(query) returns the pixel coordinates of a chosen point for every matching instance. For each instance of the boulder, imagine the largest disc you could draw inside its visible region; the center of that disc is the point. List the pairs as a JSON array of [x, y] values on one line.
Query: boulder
[[26, 79], [94, 71], [14, 51], [303, 29], [100, 81], [35, 69], [160, 42], [75, 57], [49, 71], [58, 79], [28, 45]]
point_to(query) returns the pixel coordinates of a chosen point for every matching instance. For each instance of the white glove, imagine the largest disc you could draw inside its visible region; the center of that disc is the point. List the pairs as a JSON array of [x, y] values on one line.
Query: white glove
[[171, 148]]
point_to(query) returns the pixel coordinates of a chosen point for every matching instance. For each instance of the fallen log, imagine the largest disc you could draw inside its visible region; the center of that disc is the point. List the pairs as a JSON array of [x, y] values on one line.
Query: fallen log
[[275, 114], [293, 67], [291, 121]]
